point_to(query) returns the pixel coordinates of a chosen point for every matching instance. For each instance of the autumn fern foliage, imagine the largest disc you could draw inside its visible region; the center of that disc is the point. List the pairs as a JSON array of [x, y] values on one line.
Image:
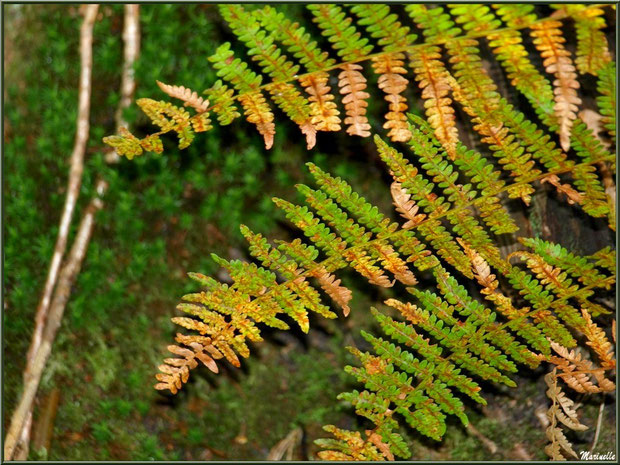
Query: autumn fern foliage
[[440, 343], [295, 75], [446, 340]]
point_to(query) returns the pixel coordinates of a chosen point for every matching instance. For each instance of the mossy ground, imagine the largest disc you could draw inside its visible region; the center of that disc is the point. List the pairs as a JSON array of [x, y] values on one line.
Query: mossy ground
[[163, 216]]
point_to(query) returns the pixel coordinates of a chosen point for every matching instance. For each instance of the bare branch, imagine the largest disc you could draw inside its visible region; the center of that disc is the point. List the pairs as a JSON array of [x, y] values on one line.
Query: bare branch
[[131, 38], [75, 177], [66, 278]]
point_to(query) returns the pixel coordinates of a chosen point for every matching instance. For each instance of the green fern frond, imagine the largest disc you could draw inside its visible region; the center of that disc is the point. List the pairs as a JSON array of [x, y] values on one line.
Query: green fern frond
[[607, 100], [592, 48], [348, 446]]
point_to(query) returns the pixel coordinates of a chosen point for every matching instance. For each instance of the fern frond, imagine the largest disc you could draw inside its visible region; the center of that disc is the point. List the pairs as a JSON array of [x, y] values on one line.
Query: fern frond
[[126, 144], [350, 232], [357, 235], [562, 409], [510, 52], [406, 334], [222, 98], [459, 337], [261, 29], [420, 190], [333, 245], [432, 78], [347, 446], [324, 113], [541, 302], [405, 206], [504, 305], [247, 83], [175, 371], [352, 84], [169, 117], [391, 35], [384, 26], [549, 41], [592, 48], [457, 295], [579, 373], [504, 146], [390, 68], [598, 341], [189, 96], [557, 281], [273, 62], [542, 100], [339, 294], [350, 46], [257, 112], [605, 258], [579, 267], [607, 100]]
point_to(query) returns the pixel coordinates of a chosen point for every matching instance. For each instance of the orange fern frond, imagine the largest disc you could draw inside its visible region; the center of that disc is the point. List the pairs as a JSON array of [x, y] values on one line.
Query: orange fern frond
[[432, 78], [339, 294], [390, 68], [175, 371], [189, 96], [323, 109], [549, 41], [352, 84], [572, 195], [598, 341], [258, 112], [406, 206]]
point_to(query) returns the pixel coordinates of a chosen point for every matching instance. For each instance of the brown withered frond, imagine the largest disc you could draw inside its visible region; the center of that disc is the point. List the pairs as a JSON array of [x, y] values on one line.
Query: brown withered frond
[[405, 206], [391, 71], [563, 411], [324, 110], [339, 294], [579, 373], [352, 84], [550, 42], [175, 371], [189, 96]]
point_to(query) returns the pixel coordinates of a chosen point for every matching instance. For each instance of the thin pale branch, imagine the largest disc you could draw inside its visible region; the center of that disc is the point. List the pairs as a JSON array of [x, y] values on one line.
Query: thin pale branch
[[75, 177], [73, 190], [66, 278], [131, 38]]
